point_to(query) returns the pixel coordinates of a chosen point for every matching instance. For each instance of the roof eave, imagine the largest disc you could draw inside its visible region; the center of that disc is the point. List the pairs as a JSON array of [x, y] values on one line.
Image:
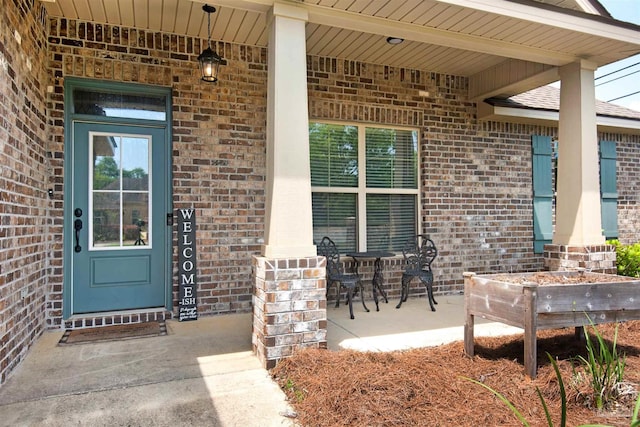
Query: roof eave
[[488, 112]]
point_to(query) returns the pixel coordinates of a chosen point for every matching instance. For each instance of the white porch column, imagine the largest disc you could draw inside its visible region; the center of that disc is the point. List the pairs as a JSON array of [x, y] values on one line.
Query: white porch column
[[578, 217], [289, 228]]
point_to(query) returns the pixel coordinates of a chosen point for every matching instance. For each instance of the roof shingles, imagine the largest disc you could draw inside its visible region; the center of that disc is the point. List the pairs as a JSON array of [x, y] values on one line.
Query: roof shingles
[[548, 98]]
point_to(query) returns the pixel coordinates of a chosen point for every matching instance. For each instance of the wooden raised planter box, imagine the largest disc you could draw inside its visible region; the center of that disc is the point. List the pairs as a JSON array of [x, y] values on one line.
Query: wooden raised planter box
[[548, 300]]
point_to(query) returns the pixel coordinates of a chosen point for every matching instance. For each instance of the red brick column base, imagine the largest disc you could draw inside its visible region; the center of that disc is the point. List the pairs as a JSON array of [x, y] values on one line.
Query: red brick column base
[[595, 258], [289, 307]]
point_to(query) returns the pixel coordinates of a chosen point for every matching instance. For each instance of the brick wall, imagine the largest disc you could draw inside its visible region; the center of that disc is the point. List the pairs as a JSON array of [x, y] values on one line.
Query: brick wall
[[218, 143], [289, 307], [596, 258], [24, 203]]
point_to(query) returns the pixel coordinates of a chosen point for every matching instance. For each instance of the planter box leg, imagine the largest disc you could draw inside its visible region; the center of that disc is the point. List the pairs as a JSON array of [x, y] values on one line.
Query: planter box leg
[[468, 335], [530, 330], [469, 322]]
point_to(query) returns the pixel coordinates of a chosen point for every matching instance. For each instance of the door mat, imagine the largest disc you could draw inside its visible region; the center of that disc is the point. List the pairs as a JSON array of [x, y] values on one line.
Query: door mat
[[113, 333]]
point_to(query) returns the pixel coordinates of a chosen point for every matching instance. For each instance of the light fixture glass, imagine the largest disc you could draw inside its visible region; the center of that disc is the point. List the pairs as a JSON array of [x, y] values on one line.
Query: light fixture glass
[[209, 60], [394, 40]]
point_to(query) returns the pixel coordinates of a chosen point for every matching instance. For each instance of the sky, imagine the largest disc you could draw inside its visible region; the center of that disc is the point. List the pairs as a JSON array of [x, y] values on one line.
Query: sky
[[629, 11]]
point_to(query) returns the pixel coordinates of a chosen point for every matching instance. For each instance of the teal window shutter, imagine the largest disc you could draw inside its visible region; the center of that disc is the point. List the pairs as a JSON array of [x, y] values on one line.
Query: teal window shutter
[[542, 192], [608, 189]]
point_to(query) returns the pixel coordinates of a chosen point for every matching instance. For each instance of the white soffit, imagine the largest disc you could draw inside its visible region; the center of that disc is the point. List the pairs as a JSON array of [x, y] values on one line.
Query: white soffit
[[459, 37]]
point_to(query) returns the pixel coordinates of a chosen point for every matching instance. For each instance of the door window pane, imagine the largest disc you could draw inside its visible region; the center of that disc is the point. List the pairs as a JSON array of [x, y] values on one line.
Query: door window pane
[[106, 162], [106, 219], [135, 208], [114, 104], [135, 164], [120, 200]]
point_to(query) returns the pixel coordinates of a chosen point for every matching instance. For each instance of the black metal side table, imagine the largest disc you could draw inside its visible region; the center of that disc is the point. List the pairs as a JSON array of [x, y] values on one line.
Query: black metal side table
[[376, 282]]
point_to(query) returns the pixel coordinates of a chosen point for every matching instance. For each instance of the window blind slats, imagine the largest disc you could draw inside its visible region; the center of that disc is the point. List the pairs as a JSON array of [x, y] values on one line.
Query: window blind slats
[[334, 155], [391, 158], [391, 221], [335, 215]]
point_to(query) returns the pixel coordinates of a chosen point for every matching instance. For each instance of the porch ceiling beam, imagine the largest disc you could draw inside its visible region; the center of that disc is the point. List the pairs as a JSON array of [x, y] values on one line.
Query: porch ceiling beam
[[253, 5], [369, 24], [544, 14], [510, 77]]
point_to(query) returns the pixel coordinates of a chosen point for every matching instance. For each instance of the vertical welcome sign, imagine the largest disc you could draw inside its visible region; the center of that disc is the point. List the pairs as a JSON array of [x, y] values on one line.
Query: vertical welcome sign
[[187, 275]]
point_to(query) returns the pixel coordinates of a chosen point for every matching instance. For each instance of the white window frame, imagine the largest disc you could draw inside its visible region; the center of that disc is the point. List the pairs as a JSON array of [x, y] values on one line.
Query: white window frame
[[121, 192], [361, 190]]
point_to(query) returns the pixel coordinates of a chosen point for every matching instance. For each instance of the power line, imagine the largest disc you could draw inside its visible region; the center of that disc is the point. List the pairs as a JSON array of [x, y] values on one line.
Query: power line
[[618, 78], [617, 71], [624, 96]]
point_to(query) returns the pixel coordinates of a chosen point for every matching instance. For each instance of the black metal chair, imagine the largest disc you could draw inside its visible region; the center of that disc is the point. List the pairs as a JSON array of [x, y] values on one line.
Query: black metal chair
[[350, 281], [419, 252]]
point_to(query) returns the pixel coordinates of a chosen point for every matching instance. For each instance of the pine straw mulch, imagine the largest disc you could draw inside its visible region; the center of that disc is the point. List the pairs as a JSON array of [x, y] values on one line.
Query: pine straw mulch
[[427, 387]]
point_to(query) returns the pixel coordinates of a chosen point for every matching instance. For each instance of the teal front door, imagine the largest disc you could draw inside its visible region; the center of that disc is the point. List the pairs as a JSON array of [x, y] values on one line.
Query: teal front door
[[118, 218]]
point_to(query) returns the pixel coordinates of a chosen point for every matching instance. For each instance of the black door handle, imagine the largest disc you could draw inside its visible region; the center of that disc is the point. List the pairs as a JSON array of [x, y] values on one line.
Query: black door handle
[[77, 225]]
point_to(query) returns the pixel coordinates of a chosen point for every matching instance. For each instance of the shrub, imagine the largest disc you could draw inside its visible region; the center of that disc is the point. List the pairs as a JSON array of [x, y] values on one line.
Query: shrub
[[627, 258]]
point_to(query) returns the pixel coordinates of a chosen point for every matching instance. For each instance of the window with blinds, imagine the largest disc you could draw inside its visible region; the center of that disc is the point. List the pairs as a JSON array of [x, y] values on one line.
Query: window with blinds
[[374, 207]]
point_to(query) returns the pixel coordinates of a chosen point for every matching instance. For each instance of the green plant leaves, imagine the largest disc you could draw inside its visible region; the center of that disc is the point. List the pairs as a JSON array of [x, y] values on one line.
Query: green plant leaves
[[506, 401], [605, 367], [627, 258]]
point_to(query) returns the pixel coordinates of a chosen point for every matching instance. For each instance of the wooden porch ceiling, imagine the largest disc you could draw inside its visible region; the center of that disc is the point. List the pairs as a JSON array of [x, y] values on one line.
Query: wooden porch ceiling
[[460, 37]]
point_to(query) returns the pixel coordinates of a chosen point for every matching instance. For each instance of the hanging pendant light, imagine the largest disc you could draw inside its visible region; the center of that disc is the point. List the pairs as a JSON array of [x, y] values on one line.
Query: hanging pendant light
[[209, 60]]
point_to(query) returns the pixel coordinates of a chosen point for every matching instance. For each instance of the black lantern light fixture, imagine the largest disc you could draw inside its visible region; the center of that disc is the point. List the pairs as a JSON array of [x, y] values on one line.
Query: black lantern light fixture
[[209, 60]]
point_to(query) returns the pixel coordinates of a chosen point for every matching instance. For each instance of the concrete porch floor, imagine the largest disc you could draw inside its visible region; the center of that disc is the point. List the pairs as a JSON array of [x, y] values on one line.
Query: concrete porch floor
[[413, 325], [203, 373]]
